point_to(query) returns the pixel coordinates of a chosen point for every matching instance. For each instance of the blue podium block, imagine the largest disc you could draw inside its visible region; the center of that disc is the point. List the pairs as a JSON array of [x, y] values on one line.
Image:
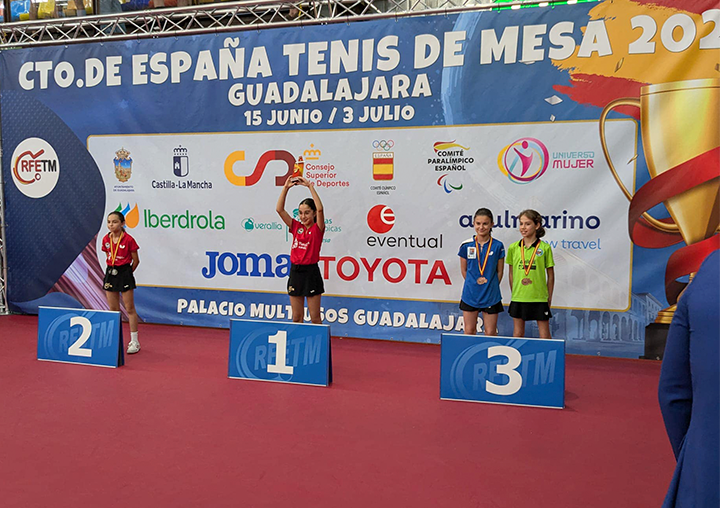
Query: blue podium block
[[503, 370], [282, 352], [86, 337]]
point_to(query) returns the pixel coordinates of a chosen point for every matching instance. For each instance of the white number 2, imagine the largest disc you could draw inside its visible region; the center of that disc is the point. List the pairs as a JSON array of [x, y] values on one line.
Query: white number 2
[[514, 359], [280, 341], [77, 349]]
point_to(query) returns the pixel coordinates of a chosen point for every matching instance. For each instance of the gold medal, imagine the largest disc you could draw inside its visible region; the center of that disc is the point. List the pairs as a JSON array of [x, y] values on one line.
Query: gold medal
[[114, 253], [482, 279], [526, 267]]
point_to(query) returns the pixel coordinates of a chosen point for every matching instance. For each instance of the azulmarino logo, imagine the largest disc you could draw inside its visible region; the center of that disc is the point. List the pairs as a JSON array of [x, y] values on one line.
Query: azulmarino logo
[[184, 220]]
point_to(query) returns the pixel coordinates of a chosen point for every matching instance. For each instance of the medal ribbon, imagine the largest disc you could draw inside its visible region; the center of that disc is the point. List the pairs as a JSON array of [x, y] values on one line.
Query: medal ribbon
[[526, 268], [487, 253], [113, 253]]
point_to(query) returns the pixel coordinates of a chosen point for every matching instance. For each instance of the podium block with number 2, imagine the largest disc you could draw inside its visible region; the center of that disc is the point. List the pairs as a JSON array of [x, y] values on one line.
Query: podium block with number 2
[[86, 337], [283, 352], [503, 370]]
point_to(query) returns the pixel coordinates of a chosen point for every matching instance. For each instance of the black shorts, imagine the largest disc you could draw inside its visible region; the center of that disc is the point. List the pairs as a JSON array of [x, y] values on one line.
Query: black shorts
[[493, 309], [530, 311], [305, 280], [121, 282]]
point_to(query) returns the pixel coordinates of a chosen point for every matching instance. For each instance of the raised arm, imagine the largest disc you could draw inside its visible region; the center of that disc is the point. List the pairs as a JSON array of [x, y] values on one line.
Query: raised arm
[[318, 203], [280, 207]]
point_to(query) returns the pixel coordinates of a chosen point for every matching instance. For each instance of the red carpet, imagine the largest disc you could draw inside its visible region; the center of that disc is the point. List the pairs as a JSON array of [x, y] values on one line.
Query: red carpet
[[170, 430]]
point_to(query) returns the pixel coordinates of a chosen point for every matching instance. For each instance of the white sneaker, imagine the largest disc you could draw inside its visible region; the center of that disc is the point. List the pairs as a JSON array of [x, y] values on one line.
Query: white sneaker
[[133, 347]]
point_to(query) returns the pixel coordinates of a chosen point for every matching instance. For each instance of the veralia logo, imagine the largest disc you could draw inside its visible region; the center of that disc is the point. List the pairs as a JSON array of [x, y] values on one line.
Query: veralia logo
[[35, 167], [381, 219]]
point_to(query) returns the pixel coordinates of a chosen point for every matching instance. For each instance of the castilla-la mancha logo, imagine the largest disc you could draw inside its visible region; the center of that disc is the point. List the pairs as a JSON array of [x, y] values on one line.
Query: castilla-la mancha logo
[[524, 160], [35, 167]]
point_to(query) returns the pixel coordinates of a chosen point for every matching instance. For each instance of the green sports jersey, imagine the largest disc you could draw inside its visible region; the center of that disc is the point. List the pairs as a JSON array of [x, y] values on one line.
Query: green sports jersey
[[537, 290]]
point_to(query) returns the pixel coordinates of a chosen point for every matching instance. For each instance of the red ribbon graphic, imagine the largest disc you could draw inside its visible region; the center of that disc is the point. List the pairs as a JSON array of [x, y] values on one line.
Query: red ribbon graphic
[[685, 176]]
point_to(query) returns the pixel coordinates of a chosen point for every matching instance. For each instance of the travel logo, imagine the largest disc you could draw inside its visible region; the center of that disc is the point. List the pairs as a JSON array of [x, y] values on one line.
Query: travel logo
[[447, 186], [449, 156], [524, 160], [381, 219], [123, 170], [249, 225], [181, 163], [181, 169], [35, 167], [132, 215]]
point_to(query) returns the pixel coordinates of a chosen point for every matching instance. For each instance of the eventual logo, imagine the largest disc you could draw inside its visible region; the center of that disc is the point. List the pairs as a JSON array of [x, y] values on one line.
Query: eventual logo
[[383, 159], [181, 163], [249, 225], [35, 167], [132, 215], [524, 160], [123, 165], [381, 219], [447, 186]]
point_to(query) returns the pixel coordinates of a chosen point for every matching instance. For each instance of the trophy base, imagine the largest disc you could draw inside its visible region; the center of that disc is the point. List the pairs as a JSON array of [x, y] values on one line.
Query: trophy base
[[665, 316], [655, 339]]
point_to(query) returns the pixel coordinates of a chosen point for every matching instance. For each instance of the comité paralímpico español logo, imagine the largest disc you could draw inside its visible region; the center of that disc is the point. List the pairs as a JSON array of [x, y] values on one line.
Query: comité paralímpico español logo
[[524, 160]]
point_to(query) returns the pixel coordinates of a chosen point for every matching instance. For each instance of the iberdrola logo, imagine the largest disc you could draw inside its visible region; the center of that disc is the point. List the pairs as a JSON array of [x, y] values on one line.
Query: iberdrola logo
[[523, 160], [132, 215]]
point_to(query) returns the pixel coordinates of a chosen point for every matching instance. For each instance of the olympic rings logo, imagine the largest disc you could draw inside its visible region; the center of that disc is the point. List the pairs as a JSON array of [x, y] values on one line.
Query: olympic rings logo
[[383, 145]]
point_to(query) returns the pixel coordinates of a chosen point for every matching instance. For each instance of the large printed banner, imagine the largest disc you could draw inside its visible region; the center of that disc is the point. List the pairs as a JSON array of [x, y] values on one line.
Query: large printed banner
[[406, 128]]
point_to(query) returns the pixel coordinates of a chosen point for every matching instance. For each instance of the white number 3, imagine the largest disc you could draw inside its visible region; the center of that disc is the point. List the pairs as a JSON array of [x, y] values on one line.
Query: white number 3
[[514, 359], [77, 349]]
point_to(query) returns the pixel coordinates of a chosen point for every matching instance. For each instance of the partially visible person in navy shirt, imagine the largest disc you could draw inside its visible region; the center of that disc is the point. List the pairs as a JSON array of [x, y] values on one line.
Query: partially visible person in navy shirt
[[688, 392]]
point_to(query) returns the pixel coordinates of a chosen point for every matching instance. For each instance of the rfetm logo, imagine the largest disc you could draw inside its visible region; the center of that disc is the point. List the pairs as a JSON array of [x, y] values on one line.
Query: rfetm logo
[[524, 160], [35, 167], [447, 186], [132, 215], [381, 219], [265, 159]]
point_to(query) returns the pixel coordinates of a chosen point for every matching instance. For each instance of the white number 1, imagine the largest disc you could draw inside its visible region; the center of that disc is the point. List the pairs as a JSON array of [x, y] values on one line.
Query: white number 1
[[280, 341], [77, 349], [514, 358]]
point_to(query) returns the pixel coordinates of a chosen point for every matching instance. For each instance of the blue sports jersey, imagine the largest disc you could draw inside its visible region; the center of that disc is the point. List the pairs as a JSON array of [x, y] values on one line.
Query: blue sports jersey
[[481, 295]]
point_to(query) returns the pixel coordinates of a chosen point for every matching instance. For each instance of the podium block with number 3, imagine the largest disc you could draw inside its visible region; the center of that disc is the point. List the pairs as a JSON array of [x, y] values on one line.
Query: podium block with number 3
[[282, 352], [86, 337], [503, 370]]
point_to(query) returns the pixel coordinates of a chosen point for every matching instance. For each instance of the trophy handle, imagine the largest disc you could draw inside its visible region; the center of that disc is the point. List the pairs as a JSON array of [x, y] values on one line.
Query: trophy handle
[[670, 228]]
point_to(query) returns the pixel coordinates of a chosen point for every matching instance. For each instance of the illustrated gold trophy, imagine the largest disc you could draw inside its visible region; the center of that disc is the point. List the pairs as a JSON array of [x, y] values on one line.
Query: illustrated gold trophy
[[680, 127]]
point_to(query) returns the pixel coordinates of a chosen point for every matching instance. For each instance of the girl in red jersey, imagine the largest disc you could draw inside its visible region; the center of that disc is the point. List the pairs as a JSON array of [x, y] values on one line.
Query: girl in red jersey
[[305, 280], [122, 261]]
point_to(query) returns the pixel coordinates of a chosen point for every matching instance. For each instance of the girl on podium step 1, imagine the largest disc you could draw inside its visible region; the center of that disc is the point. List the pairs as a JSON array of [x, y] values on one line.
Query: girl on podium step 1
[[532, 276], [305, 280], [481, 265], [122, 260]]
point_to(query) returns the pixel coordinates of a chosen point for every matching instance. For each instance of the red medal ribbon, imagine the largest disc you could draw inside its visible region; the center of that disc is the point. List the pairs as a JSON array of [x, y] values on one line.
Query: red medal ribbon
[[477, 249], [522, 252], [681, 178], [113, 254]]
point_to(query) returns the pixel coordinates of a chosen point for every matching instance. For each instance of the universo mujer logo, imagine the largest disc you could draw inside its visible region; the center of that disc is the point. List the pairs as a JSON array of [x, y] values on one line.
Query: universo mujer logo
[[524, 160]]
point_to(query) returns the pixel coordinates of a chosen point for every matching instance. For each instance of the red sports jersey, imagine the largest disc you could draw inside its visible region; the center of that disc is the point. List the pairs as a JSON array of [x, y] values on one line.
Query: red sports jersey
[[127, 246], [306, 244]]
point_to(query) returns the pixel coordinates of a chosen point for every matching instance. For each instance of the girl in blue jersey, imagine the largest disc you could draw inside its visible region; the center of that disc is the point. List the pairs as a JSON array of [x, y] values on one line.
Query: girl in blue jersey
[[481, 264]]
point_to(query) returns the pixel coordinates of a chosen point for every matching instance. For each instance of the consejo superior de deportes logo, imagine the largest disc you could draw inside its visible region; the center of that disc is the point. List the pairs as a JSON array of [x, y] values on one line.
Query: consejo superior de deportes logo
[[524, 160]]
